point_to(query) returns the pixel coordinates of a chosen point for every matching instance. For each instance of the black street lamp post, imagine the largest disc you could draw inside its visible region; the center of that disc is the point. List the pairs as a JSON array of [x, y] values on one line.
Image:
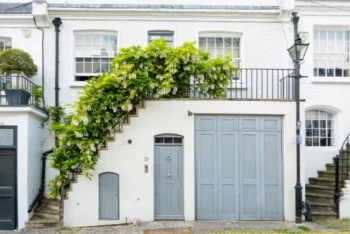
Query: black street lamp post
[[297, 53]]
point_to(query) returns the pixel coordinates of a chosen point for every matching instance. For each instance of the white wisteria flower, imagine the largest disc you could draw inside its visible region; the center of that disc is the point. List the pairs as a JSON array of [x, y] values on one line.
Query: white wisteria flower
[[75, 122], [84, 119]]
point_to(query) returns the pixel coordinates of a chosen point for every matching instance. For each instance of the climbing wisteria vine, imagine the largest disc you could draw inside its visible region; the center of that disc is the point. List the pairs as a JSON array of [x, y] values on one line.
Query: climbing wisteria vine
[[107, 100]]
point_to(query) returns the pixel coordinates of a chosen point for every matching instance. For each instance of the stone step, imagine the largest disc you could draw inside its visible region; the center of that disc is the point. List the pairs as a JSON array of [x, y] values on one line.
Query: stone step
[[48, 206], [53, 202], [319, 189], [322, 198], [44, 209], [331, 167], [41, 224], [46, 215], [322, 215], [321, 207], [331, 174], [325, 182]]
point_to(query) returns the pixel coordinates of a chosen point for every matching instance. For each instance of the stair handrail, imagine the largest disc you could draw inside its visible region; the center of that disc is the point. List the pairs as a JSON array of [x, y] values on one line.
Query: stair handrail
[[342, 151]]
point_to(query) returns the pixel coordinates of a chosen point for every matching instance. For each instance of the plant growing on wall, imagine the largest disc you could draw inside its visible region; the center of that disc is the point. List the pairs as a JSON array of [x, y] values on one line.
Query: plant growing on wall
[[107, 100], [16, 61]]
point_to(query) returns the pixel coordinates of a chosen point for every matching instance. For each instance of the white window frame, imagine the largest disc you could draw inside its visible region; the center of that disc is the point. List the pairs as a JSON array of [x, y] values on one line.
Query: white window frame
[[5, 40], [226, 34], [319, 137], [161, 33], [317, 52], [90, 32]]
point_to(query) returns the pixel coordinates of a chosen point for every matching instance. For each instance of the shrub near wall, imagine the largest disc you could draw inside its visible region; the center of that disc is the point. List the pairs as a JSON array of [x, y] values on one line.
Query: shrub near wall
[[108, 99]]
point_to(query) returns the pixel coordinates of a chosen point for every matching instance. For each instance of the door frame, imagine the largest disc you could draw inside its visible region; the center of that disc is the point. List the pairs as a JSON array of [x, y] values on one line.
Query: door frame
[[15, 148], [182, 174]]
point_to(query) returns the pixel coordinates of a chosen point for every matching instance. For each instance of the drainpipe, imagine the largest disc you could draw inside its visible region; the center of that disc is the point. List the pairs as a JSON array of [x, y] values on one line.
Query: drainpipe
[[57, 22]]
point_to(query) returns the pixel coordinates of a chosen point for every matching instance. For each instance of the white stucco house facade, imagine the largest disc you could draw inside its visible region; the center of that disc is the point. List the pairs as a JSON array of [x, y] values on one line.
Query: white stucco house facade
[[188, 159]]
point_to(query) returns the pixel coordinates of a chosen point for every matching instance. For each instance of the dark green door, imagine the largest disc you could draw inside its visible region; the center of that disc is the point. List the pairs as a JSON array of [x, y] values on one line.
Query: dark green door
[[7, 178]]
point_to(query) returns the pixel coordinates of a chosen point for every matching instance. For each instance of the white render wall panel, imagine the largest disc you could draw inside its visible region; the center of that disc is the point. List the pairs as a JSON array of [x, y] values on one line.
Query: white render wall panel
[[163, 117]]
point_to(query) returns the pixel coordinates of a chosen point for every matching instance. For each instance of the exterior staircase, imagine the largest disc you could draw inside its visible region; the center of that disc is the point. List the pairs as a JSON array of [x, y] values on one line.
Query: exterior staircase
[[45, 215], [320, 191]]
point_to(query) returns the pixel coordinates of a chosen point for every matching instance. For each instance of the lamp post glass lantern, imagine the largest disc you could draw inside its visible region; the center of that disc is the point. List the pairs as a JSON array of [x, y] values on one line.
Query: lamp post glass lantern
[[297, 53], [298, 50]]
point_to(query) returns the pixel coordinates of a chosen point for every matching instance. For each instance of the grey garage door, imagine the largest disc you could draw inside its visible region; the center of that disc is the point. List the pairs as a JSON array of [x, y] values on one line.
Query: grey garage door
[[109, 196], [239, 168]]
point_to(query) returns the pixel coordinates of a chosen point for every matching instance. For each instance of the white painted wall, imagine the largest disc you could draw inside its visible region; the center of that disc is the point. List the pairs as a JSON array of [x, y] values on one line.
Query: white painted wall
[[28, 141], [344, 202], [168, 116]]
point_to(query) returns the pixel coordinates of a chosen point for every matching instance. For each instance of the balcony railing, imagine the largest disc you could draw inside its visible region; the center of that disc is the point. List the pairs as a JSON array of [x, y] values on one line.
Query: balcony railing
[[18, 91], [253, 84]]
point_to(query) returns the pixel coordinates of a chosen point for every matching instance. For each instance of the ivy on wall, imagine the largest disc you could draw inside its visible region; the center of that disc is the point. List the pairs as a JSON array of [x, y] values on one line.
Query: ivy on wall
[[108, 99]]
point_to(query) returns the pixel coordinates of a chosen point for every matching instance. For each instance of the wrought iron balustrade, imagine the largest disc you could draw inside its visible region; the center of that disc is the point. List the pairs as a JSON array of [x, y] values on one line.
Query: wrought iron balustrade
[[342, 164], [18, 91], [250, 84]]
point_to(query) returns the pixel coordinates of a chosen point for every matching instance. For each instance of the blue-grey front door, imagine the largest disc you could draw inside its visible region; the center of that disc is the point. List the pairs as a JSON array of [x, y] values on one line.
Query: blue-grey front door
[[168, 182], [238, 168]]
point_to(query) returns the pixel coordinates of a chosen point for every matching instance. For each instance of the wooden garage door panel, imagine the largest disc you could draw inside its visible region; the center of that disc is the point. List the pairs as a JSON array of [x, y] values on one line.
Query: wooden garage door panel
[[239, 167]]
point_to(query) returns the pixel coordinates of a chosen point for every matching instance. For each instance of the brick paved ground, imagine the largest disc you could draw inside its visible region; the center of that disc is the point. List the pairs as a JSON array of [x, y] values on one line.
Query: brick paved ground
[[201, 227]]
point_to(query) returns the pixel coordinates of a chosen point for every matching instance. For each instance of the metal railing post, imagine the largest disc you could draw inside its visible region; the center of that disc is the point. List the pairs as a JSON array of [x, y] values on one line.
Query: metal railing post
[[336, 189]]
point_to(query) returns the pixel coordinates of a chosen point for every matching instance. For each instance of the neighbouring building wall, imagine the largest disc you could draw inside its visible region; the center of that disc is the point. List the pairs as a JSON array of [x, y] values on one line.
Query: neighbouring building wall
[[28, 148], [330, 94], [136, 188]]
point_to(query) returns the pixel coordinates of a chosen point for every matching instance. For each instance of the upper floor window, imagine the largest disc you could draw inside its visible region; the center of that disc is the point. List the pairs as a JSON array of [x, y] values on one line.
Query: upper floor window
[[5, 43], [331, 53], [319, 128], [221, 45], [168, 36], [93, 54]]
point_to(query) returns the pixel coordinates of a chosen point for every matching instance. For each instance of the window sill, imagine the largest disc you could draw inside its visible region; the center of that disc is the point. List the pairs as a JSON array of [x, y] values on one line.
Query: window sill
[[326, 80], [77, 84], [322, 148]]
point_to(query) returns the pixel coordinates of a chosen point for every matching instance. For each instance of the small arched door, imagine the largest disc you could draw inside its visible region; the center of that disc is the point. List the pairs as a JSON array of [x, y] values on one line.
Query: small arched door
[[109, 196]]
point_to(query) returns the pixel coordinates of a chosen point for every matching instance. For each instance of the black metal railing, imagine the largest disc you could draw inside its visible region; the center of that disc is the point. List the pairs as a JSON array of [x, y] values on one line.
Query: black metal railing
[[250, 84], [341, 170], [18, 91]]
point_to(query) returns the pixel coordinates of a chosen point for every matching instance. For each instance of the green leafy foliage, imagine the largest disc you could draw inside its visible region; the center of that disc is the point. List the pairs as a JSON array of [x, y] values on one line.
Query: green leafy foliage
[[107, 100], [37, 95], [16, 61]]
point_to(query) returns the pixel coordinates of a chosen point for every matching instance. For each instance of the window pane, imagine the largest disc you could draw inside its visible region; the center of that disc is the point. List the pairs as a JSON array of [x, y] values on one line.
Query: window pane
[[322, 66], [340, 42], [330, 141], [219, 42], [79, 40], [323, 133], [339, 66], [329, 123], [308, 141], [168, 140], [96, 68], [315, 124], [322, 114], [211, 42], [315, 132], [331, 42], [330, 133], [202, 43], [329, 116], [228, 42], [105, 67], [236, 42], [308, 132], [322, 123], [323, 41], [159, 140], [330, 66], [316, 41], [315, 141], [315, 65], [113, 43], [308, 114], [323, 142], [314, 114], [87, 41], [178, 140], [308, 123], [79, 67]]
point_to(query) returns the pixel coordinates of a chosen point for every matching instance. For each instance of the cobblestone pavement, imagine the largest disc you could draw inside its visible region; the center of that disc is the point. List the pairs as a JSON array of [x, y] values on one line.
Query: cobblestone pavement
[[201, 227]]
